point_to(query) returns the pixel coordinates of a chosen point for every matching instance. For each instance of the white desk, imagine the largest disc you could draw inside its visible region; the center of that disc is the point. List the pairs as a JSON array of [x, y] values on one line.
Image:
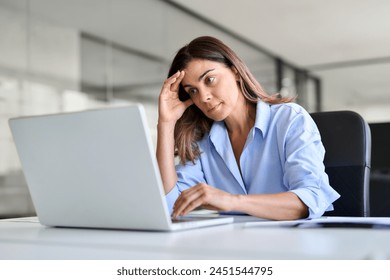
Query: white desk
[[26, 239]]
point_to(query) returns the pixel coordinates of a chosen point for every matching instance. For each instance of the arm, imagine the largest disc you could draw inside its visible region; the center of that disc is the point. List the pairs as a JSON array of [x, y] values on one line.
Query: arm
[[165, 155], [280, 206], [170, 110]]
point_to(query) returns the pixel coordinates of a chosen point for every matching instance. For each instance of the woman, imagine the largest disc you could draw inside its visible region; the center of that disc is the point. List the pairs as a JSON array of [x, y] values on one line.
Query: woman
[[239, 148]]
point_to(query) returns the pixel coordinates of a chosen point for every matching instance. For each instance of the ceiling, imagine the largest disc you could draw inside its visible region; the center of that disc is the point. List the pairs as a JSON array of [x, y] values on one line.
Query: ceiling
[[306, 32], [345, 43]]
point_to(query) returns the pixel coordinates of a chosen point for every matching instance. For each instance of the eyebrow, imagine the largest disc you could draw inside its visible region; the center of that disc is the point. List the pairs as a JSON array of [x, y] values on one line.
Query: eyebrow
[[201, 76], [205, 73]]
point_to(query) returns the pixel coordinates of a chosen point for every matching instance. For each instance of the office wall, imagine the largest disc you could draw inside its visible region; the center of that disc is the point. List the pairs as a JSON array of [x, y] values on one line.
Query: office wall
[[38, 65], [360, 87], [59, 56]]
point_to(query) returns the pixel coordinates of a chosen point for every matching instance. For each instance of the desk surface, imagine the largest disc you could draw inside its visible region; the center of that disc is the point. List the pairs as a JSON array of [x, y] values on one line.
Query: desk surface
[[25, 238]]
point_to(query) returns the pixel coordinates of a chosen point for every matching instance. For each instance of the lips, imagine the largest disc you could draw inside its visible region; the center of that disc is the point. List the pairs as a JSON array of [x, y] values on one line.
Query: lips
[[213, 108]]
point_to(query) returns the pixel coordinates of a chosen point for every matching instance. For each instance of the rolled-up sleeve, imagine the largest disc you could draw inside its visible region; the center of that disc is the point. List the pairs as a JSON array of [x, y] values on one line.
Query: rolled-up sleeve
[[188, 175], [304, 171], [171, 197]]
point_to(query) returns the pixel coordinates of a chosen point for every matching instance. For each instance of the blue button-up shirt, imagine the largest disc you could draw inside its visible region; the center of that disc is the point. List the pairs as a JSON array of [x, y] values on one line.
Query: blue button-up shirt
[[283, 152]]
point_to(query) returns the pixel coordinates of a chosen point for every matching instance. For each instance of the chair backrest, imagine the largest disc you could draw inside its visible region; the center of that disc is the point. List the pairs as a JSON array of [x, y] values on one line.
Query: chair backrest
[[347, 140]]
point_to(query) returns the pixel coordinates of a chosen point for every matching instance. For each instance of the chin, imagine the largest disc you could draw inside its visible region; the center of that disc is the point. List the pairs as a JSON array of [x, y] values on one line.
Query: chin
[[217, 118]]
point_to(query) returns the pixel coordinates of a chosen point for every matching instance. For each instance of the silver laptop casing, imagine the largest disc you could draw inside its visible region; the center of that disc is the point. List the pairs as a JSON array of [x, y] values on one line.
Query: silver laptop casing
[[94, 169]]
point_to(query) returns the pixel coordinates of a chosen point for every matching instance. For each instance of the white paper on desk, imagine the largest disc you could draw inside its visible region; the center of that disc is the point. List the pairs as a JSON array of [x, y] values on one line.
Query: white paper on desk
[[238, 216], [374, 221], [268, 223]]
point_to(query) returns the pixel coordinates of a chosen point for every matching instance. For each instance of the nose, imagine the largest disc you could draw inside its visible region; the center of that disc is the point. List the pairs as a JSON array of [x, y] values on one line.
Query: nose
[[204, 96]]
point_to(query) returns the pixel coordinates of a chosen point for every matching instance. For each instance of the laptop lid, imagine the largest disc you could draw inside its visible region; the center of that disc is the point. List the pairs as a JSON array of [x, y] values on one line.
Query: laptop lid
[[94, 168]]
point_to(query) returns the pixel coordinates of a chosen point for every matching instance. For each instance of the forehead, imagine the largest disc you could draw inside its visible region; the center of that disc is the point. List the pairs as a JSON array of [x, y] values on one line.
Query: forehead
[[202, 64], [199, 66]]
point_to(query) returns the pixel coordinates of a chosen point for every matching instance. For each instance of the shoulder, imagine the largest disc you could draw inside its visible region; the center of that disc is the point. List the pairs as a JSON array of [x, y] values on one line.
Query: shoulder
[[292, 116], [288, 110], [282, 117], [283, 110]]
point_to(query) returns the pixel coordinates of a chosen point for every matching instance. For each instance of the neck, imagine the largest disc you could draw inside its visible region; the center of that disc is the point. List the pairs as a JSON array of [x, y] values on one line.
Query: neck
[[242, 119]]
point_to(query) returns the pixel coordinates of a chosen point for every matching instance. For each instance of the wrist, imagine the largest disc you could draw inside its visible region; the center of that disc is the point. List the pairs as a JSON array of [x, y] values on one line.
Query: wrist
[[237, 202], [165, 124]]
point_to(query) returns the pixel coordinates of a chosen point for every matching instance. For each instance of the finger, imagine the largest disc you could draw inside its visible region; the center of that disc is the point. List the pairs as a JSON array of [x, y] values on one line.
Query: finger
[[187, 196], [168, 82], [175, 75], [175, 85], [185, 209], [191, 199], [186, 201], [192, 206]]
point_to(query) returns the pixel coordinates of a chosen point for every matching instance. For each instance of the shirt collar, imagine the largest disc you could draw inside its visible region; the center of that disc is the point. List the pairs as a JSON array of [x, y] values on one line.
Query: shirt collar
[[218, 133], [263, 115]]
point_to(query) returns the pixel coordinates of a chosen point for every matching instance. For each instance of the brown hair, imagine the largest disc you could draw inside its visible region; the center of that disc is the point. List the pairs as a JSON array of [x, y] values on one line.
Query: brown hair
[[193, 124]]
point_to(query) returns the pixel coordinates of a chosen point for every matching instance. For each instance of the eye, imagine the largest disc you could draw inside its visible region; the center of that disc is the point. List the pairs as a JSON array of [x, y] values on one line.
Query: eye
[[192, 91], [209, 80]]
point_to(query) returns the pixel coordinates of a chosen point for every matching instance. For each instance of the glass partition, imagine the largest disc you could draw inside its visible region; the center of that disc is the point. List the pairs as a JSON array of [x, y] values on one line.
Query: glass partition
[[60, 56]]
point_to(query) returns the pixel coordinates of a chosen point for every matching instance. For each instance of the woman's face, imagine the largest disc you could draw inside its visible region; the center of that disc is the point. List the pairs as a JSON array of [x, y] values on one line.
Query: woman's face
[[213, 87]]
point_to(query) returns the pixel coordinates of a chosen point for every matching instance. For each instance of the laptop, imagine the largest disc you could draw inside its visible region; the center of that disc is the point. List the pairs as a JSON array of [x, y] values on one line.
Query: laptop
[[96, 169]]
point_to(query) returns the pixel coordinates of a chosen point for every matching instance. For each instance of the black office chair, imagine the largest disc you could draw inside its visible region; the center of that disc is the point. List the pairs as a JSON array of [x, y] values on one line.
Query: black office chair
[[347, 141]]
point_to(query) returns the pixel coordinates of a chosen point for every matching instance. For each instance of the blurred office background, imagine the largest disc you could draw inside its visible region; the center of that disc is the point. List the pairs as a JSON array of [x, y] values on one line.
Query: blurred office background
[[66, 55]]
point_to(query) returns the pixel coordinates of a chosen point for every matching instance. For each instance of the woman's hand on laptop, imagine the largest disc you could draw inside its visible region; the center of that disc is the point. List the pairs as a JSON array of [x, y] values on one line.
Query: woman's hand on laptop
[[203, 195]]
